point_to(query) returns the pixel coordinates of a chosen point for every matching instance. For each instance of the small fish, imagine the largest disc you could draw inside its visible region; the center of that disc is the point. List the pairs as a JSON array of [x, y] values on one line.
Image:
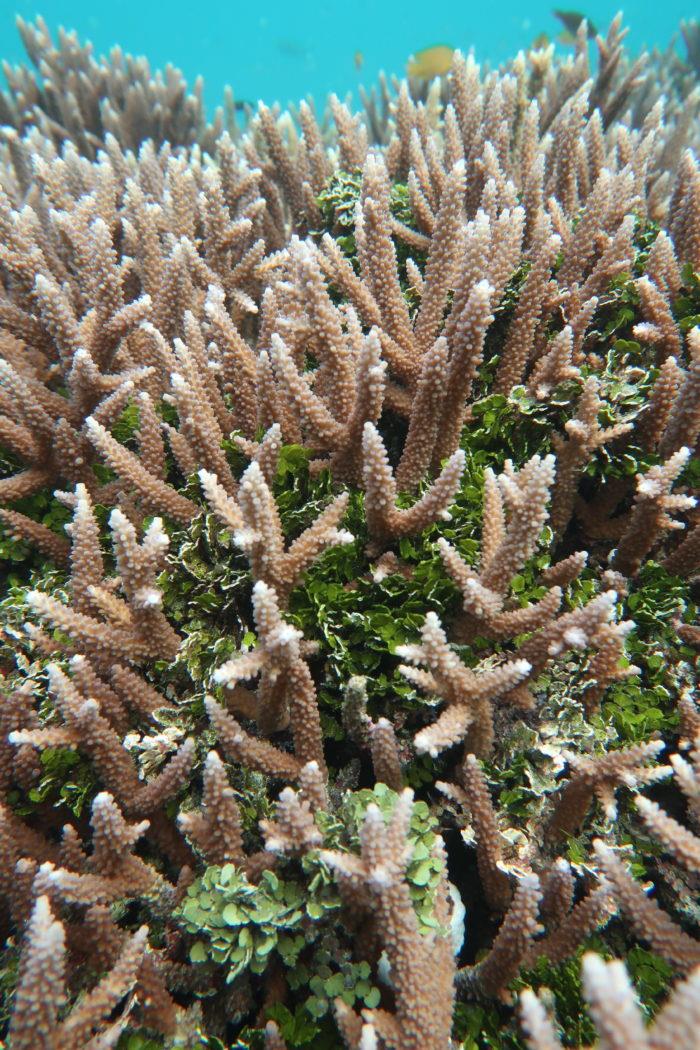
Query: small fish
[[540, 41], [571, 20], [430, 62], [292, 49], [359, 60]]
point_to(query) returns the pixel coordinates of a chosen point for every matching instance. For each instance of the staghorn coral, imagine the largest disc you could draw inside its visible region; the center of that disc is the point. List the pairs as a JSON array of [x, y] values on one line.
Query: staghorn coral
[[35, 1021], [540, 902], [469, 696], [86, 729], [648, 920], [682, 845], [514, 512], [130, 628], [513, 941], [216, 830], [257, 530], [583, 436], [111, 871], [286, 693], [618, 1018], [474, 796], [598, 777], [80, 99], [385, 521], [651, 513], [293, 830], [421, 964], [477, 293]]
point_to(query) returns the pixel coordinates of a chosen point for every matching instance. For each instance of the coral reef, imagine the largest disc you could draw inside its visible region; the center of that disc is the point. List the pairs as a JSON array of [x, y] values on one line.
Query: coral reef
[[350, 551]]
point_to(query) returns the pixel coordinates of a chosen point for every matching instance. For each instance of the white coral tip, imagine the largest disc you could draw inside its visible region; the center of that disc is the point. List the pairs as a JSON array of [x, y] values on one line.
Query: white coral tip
[[379, 877], [575, 637], [368, 1038]]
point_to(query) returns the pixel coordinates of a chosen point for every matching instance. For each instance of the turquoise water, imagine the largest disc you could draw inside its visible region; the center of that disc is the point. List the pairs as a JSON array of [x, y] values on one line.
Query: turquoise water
[[285, 51]]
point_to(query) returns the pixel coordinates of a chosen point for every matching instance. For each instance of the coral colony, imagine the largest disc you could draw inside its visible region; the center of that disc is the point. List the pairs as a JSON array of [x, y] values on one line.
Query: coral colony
[[348, 541]]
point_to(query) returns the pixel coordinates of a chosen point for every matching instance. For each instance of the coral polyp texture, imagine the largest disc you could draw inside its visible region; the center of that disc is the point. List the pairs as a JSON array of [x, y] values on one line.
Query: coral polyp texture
[[350, 547]]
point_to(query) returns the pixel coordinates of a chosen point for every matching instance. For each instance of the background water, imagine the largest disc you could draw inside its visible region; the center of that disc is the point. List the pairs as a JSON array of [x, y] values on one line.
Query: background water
[[283, 50]]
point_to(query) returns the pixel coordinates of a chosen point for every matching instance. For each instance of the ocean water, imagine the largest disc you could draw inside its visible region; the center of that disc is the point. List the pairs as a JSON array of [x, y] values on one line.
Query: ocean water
[[277, 50]]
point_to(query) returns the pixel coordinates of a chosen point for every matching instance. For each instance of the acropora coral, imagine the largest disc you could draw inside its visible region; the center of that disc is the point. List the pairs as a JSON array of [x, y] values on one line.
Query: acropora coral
[[350, 549]]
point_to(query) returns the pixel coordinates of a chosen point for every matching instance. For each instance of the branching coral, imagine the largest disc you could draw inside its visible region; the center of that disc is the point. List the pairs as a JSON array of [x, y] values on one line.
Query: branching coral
[[469, 695], [514, 513], [216, 829], [87, 729], [583, 435], [531, 905], [130, 628], [599, 777], [654, 504], [351, 328], [421, 965], [285, 693], [256, 528], [618, 1018], [646, 917], [43, 991], [385, 521]]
